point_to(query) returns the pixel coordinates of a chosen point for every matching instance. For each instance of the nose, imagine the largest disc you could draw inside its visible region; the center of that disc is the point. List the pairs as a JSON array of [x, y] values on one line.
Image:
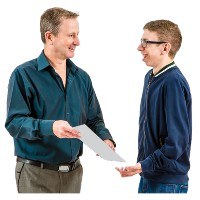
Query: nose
[[140, 48], [77, 41]]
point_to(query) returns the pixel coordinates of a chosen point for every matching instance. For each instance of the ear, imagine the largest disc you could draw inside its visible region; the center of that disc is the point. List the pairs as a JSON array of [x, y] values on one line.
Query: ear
[[48, 37], [166, 48]]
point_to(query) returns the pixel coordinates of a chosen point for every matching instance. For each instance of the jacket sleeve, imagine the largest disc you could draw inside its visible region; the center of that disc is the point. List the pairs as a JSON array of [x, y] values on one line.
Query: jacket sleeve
[[95, 117], [19, 122], [178, 124]]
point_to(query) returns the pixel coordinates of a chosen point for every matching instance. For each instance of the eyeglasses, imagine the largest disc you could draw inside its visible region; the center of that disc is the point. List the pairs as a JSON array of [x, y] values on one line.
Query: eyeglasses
[[145, 42]]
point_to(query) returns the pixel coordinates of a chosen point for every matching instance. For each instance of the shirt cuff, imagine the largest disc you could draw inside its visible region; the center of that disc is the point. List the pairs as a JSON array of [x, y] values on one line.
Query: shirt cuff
[[147, 165], [46, 127]]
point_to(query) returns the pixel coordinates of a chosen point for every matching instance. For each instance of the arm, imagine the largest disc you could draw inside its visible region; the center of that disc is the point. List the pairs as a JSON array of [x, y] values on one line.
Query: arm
[[95, 118], [20, 123]]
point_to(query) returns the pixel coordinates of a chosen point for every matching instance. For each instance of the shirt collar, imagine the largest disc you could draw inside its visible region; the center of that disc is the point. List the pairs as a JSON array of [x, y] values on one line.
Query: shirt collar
[[71, 65], [43, 63], [172, 64]]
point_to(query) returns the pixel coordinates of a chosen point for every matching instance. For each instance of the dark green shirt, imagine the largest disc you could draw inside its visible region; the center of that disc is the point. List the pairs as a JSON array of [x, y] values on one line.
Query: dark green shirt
[[37, 97]]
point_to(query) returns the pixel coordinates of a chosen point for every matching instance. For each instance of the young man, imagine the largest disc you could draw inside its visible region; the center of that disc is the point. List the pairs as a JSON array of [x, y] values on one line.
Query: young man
[[165, 123], [47, 96]]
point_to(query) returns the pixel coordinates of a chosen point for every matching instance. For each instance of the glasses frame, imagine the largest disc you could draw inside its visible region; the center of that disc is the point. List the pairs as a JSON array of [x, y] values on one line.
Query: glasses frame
[[145, 42]]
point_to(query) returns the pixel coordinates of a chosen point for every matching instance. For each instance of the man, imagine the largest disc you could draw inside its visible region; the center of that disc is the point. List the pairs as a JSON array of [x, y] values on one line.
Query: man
[[47, 97], [165, 124]]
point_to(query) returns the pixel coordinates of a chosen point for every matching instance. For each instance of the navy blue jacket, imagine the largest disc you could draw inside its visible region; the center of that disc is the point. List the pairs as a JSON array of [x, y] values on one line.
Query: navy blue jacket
[[165, 127], [37, 97]]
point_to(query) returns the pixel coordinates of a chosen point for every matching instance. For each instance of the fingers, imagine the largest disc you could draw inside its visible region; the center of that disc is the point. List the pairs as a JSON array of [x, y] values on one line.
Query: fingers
[[123, 172], [119, 170], [130, 168], [136, 167], [71, 132], [68, 134], [62, 129], [113, 148], [110, 144], [127, 174], [128, 171]]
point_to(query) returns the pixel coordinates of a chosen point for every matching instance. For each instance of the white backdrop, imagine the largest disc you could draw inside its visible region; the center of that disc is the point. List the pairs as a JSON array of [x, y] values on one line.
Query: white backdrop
[[110, 32]]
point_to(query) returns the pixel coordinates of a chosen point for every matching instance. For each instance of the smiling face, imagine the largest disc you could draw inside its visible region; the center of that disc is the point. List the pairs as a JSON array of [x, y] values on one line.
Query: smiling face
[[63, 44], [153, 53], [66, 41]]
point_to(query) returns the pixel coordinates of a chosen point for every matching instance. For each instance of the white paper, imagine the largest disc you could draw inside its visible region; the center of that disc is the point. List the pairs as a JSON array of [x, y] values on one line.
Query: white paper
[[95, 143]]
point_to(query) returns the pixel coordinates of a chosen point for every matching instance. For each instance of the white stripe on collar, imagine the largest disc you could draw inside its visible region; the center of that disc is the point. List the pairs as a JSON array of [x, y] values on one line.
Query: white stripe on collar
[[173, 65]]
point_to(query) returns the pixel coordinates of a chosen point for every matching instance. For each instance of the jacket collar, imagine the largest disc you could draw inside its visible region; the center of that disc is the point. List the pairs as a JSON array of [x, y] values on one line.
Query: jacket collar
[[172, 64]]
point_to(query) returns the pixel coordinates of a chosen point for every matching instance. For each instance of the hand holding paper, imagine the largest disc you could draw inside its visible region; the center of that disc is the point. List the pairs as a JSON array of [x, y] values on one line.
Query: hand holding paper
[[89, 138]]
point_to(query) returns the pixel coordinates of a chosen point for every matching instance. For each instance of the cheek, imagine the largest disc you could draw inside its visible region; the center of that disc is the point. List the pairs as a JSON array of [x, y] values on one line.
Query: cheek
[[69, 41], [65, 41], [154, 54]]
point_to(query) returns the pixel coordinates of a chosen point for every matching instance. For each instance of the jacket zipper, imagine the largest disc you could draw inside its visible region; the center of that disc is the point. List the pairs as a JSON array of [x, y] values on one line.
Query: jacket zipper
[[145, 115]]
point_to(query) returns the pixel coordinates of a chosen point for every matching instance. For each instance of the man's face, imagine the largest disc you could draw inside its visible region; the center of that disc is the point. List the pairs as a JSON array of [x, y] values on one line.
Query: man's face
[[66, 40], [152, 53]]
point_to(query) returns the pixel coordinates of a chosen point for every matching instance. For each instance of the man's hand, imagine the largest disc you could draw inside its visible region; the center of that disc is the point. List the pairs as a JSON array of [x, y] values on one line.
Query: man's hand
[[110, 144], [62, 129], [130, 171]]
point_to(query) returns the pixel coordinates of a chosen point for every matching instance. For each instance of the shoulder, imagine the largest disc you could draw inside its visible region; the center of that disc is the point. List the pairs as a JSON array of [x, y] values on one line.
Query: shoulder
[[26, 66], [175, 75], [82, 73], [175, 78]]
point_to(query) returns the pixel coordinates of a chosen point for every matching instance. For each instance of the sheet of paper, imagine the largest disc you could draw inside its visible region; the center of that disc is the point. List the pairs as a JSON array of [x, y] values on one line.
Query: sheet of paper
[[95, 143]]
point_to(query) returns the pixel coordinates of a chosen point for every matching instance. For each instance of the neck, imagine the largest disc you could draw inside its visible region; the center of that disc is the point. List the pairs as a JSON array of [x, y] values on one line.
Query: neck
[[54, 60], [157, 68]]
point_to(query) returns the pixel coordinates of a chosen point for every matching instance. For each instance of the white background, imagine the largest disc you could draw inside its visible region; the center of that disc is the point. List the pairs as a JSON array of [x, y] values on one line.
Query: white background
[[110, 32]]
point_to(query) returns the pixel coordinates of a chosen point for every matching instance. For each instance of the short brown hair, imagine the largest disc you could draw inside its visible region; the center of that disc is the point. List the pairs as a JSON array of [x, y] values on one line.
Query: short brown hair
[[51, 20], [166, 31]]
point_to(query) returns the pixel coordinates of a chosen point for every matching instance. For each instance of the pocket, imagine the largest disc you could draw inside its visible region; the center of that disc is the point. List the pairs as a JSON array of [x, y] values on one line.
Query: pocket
[[167, 188], [18, 171]]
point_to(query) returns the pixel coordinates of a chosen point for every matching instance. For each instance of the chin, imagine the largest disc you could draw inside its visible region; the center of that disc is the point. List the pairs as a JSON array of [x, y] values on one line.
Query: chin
[[145, 63], [148, 65], [70, 55]]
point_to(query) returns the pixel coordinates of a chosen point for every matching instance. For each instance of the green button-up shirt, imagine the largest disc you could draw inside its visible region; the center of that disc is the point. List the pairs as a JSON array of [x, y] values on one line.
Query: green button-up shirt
[[37, 97]]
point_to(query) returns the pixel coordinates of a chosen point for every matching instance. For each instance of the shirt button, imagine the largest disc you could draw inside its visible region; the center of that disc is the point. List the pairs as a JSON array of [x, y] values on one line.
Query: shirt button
[[67, 113]]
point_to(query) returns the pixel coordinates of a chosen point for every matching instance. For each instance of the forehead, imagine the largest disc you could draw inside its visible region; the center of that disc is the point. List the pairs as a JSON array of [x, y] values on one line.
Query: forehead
[[69, 24], [149, 35]]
